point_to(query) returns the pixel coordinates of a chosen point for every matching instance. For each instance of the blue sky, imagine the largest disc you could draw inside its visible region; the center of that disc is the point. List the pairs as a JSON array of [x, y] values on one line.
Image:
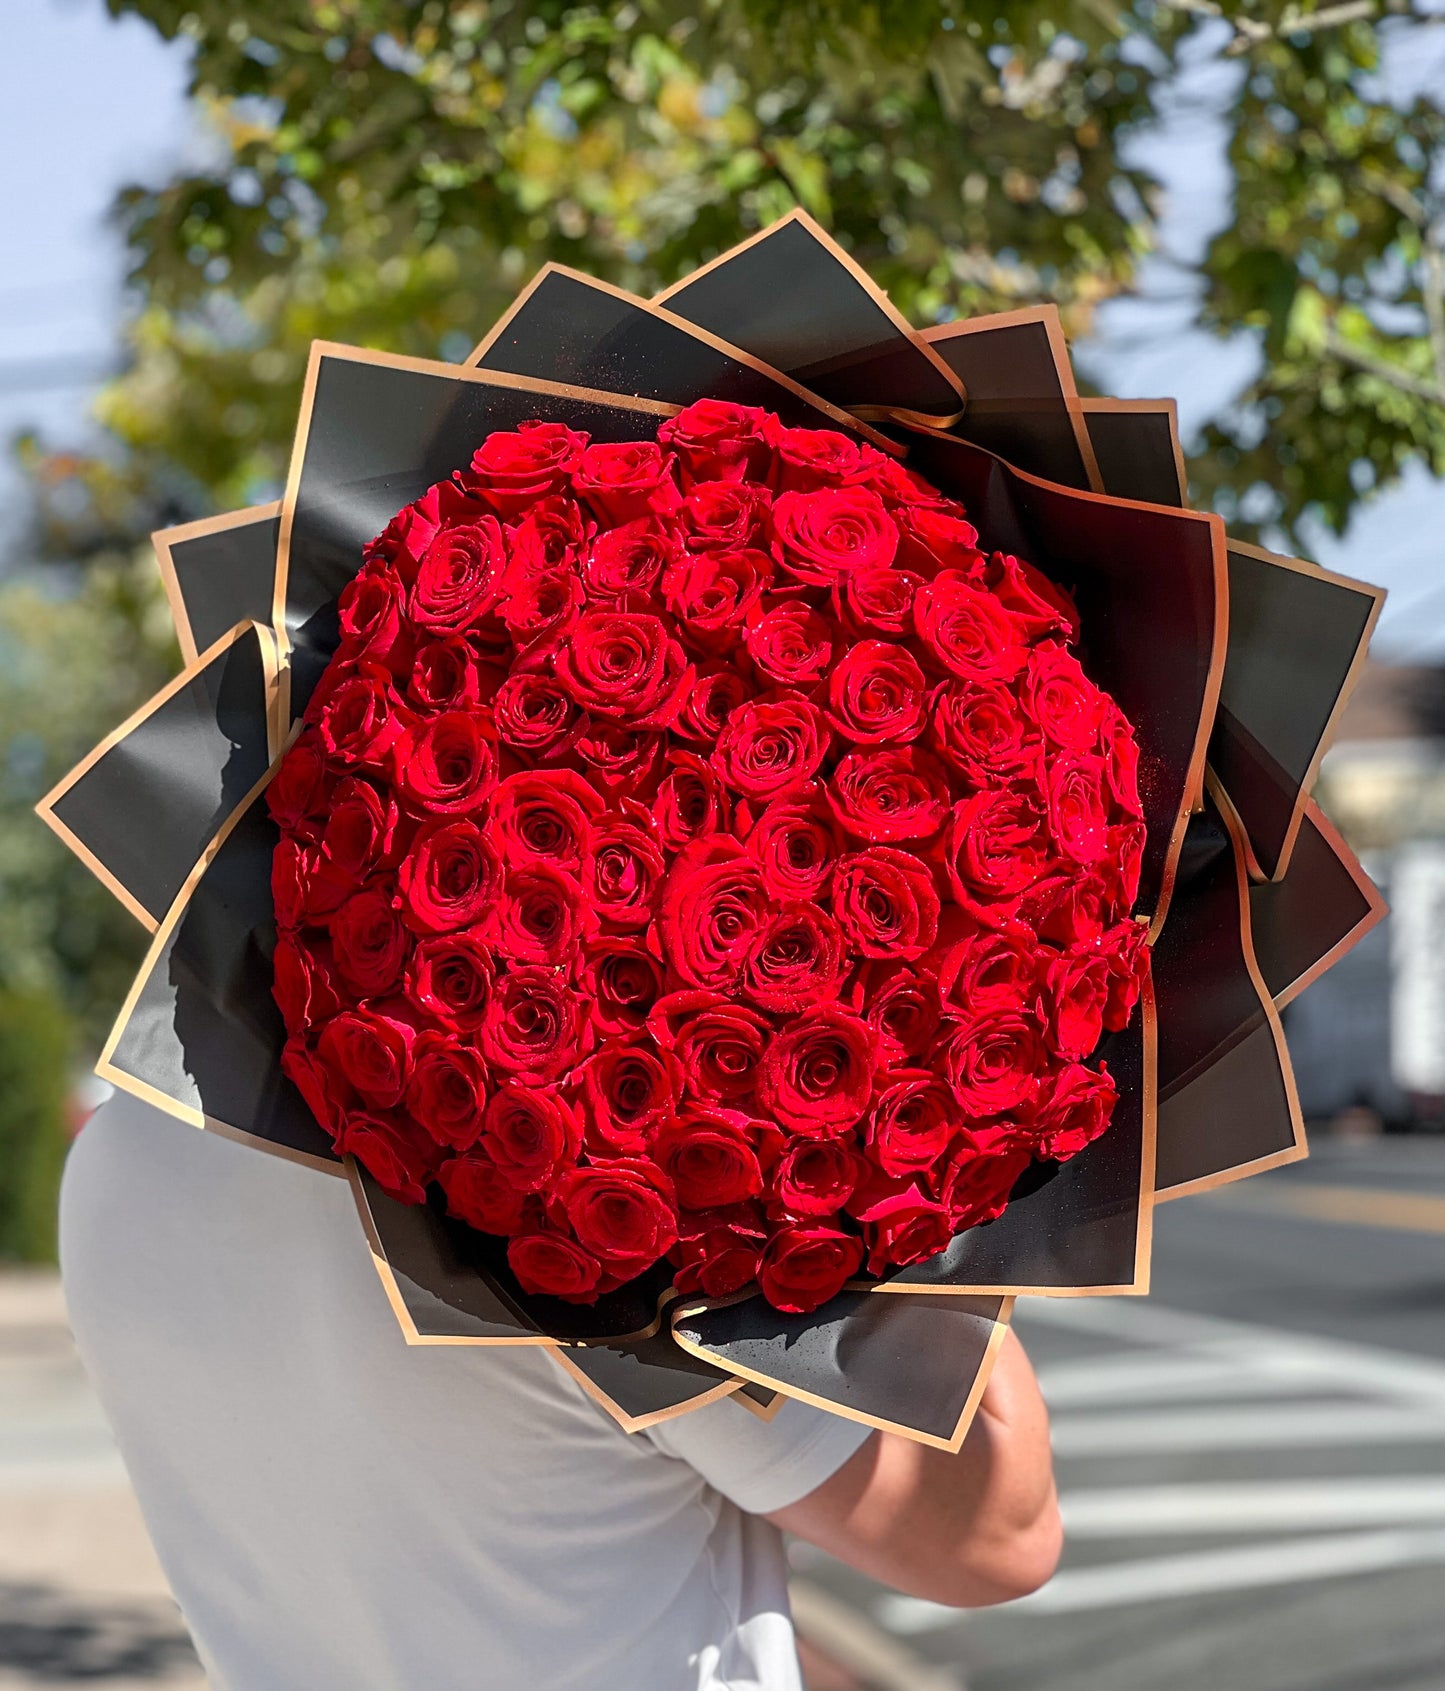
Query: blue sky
[[88, 103]]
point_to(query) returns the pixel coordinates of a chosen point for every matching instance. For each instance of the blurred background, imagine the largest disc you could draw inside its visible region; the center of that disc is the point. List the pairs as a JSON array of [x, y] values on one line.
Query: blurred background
[[1241, 206]]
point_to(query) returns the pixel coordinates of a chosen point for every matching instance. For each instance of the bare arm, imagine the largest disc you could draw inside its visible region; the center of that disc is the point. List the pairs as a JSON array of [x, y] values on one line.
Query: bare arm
[[976, 1527]]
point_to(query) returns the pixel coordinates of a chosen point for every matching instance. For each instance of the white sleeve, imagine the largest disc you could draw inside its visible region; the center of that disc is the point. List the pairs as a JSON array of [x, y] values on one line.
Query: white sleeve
[[760, 1465]]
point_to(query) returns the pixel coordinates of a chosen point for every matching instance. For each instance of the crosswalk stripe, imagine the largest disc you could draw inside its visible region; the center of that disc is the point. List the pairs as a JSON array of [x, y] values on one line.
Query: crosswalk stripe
[[1264, 1506], [1282, 1426]]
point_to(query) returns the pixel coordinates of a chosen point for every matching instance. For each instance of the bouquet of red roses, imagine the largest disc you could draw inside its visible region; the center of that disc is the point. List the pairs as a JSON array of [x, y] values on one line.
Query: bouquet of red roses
[[713, 793]]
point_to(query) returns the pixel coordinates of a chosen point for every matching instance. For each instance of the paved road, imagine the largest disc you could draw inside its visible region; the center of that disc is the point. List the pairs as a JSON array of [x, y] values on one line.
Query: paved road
[[1252, 1463]]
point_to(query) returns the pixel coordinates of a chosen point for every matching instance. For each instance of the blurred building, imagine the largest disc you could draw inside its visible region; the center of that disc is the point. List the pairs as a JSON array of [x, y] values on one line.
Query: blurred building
[[1371, 1034]]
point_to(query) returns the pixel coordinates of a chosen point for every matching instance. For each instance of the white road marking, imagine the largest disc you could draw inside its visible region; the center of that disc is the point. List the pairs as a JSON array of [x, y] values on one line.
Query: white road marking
[[1163, 1378], [1119, 1584], [1284, 1426], [1264, 1506]]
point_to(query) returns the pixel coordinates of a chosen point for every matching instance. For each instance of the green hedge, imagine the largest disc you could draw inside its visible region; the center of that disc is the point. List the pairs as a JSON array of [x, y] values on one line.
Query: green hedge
[[35, 1080]]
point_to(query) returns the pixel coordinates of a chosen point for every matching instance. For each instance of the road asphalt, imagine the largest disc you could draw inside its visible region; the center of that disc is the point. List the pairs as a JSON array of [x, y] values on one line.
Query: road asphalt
[[1251, 1462]]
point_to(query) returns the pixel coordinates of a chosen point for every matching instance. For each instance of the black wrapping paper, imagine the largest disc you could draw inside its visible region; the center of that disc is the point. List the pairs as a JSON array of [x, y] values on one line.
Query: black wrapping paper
[[218, 572]]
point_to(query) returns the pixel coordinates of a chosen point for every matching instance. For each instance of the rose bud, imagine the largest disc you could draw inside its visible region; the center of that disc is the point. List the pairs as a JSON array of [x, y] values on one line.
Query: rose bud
[[720, 1258], [370, 616], [897, 485], [623, 874], [771, 746], [900, 1224], [990, 973], [875, 693], [535, 1026], [819, 538], [713, 593], [796, 842], [553, 1265], [716, 440], [715, 694], [886, 903], [357, 715], [623, 1211], [361, 830], [816, 1076], [931, 541], [802, 1267], [530, 1135], [997, 845], [459, 577], [514, 469], [624, 762], [902, 1007], [889, 793], [305, 885], [539, 607], [323, 1091], [369, 943], [1126, 951], [791, 644], [451, 878], [399, 1158], [1121, 758], [1043, 607], [447, 1090], [968, 631], [1067, 706], [625, 480], [718, 1044]]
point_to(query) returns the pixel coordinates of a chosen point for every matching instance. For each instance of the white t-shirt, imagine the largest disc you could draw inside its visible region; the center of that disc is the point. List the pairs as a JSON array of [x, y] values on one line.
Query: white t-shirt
[[338, 1512]]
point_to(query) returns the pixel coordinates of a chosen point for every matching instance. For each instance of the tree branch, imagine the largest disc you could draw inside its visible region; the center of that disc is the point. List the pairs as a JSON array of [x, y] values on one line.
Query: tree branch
[[1253, 32], [1433, 393]]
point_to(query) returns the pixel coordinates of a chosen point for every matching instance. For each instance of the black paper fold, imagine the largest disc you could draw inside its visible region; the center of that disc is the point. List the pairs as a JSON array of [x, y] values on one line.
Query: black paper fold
[[218, 572]]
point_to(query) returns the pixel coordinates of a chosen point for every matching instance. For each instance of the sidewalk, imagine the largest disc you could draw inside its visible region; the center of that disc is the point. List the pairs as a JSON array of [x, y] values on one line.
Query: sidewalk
[[82, 1597]]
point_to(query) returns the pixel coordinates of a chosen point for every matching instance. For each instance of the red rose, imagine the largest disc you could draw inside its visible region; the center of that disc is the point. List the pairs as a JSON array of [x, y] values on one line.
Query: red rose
[[1126, 951], [369, 942], [357, 715], [1041, 606], [305, 885], [534, 713], [447, 763], [552, 1265], [398, 1158], [877, 599], [302, 985], [889, 794], [535, 1027], [712, 594], [529, 1135], [623, 981], [541, 601], [993, 1063], [933, 540], [628, 1092], [445, 675], [815, 1178], [886, 902], [794, 960], [1073, 1112], [625, 480], [371, 1053], [820, 538], [990, 973], [796, 842], [690, 803], [622, 1211], [713, 902], [451, 878], [981, 731], [711, 1158], [1068, 909], [875, 694], [902, 1007], [805, 460], [625, 667], [1078, 807], [478, 1194], [1062, 700], [716, 693], [369, 613], [802, 1267], [791, 644], [361, 829], [512, 470], [539, 916], [770, 746], [911, 1124], [624, 872], [719, 1257], [978, 1186], [997, 845], [544, 817], [967, 630], [817, 1074], [897, 485], [447, 1090], [298, 795], [1071, 1004], [716, 440], [723, 516], [459, 577], [717, 1044], [900, 1224], [627, 560], [1121, 758], [620, 760], [450, 977], [321, 1090]]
